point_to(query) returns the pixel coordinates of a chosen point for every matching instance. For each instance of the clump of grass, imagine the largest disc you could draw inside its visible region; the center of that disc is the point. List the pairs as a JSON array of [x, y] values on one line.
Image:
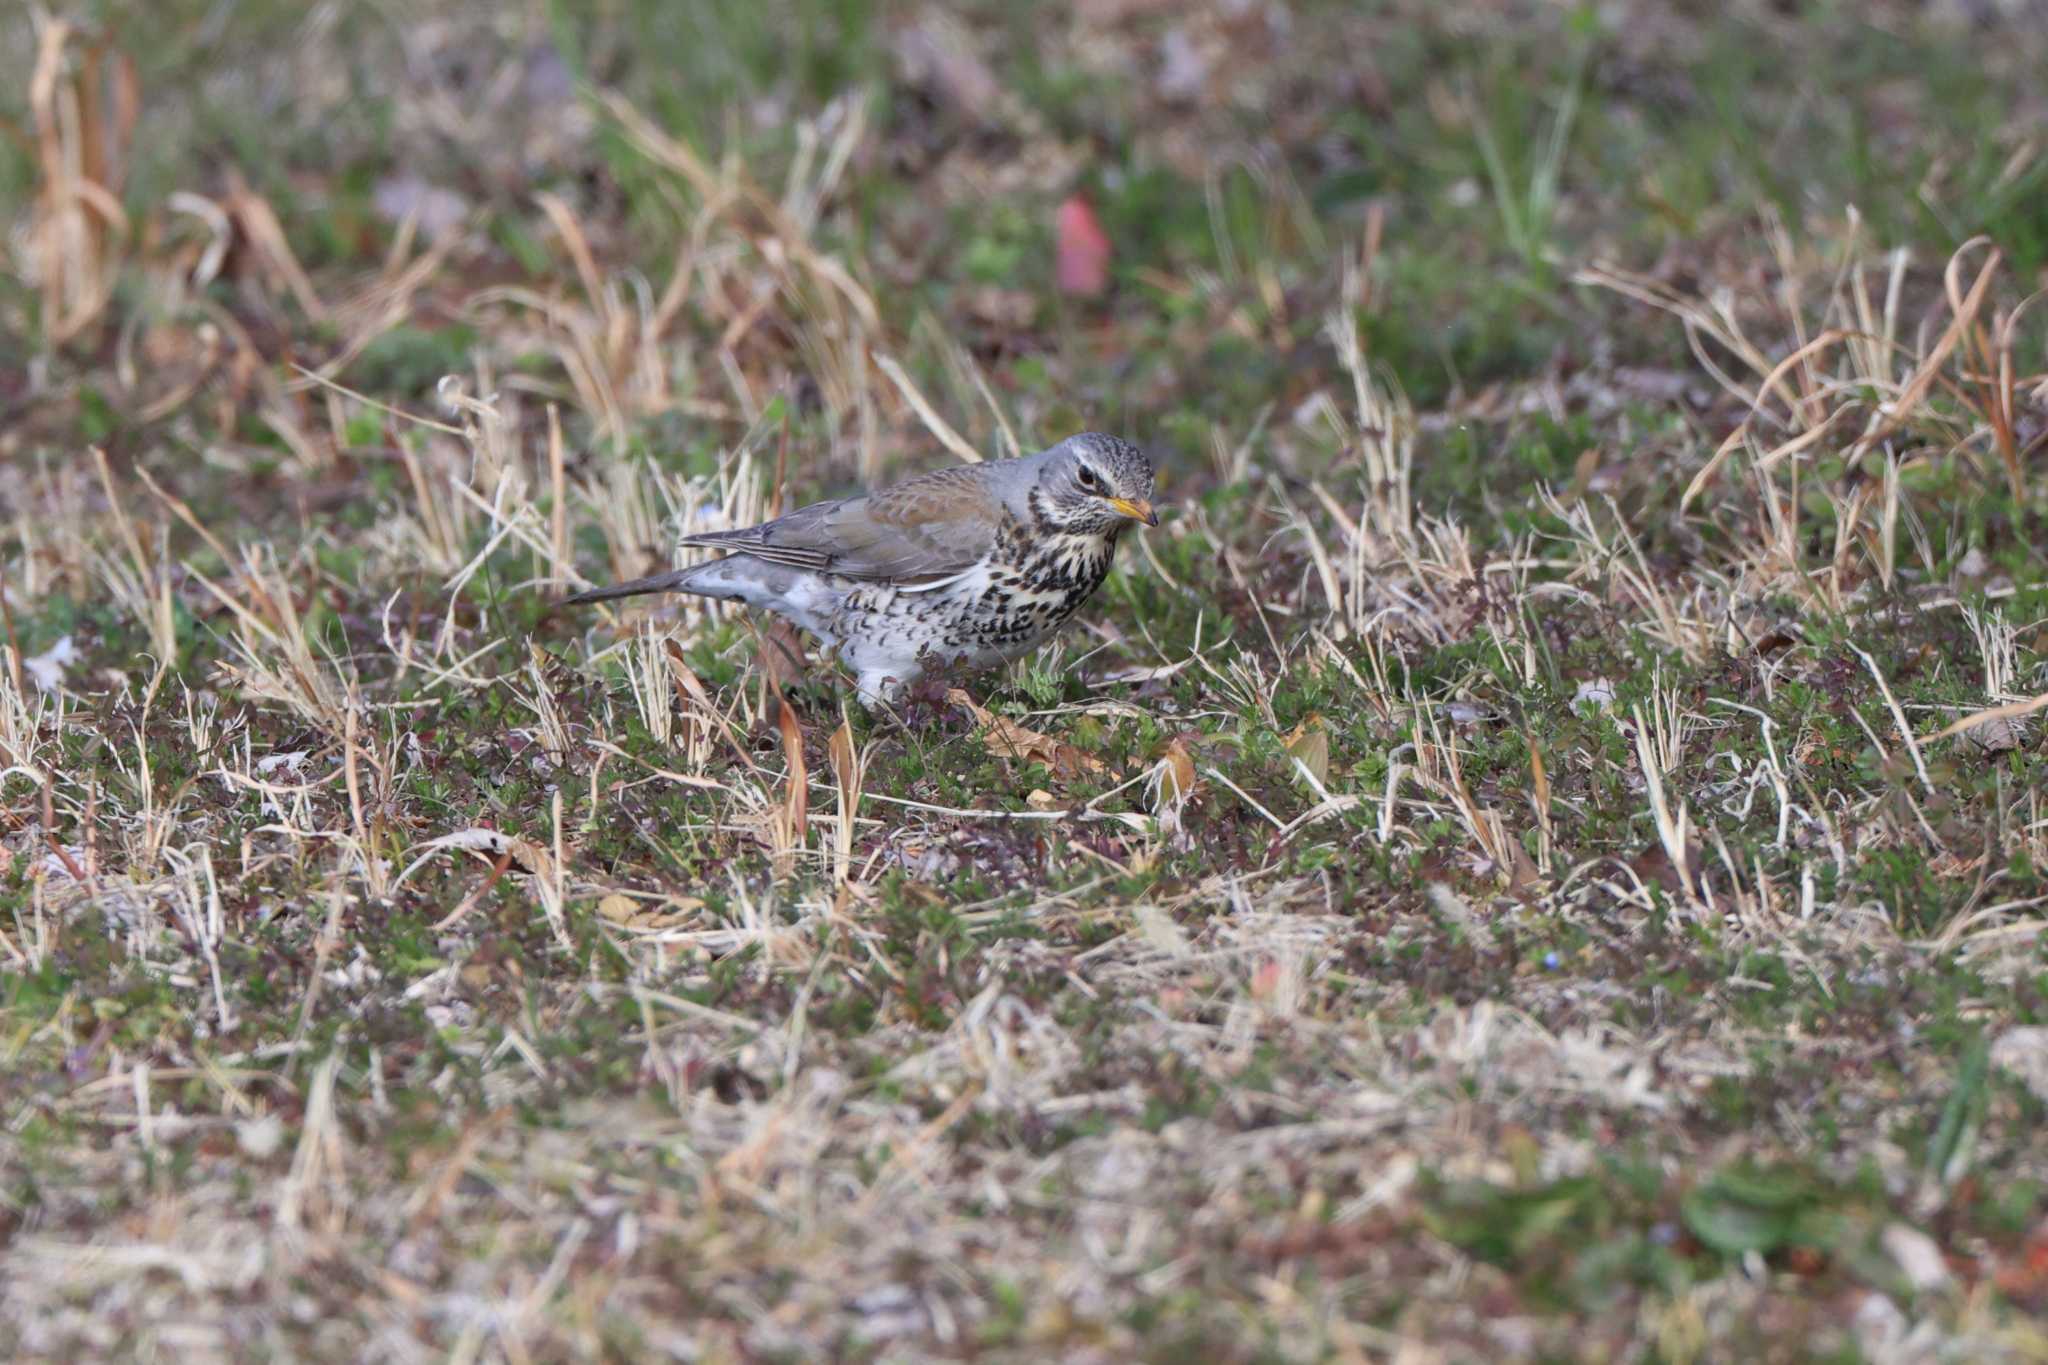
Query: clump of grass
[[85, 105]]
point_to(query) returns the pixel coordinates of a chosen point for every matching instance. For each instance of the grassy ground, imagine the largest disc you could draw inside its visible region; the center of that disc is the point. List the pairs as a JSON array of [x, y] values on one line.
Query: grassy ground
[[1526, 862]]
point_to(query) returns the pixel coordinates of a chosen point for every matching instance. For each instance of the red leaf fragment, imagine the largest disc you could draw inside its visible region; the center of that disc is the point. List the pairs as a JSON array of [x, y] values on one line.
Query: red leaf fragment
[[1082, 265]]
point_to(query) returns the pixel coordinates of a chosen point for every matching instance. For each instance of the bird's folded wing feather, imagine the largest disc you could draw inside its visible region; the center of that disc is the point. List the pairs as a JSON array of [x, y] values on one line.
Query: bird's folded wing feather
[[926, 528]]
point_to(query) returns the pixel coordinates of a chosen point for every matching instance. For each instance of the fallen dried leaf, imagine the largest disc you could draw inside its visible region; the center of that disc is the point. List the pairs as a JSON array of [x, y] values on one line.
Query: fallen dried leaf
[[1005, 738], [797, 801], [1997, 721], [1522, 871], [1082, 262], [840, 750], [1310, 743], [528, 857], [631, 913], [1174, 777]]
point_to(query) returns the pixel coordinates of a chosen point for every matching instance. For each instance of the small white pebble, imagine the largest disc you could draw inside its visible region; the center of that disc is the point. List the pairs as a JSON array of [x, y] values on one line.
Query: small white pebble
[[260, 1137], [1596, 692]]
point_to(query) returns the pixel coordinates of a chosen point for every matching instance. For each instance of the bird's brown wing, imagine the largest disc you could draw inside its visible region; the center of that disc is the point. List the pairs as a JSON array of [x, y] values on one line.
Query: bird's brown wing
[[921, 530]]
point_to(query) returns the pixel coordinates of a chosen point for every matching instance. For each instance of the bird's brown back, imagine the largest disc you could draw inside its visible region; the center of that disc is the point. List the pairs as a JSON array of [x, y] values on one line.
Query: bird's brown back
[[927, 527]]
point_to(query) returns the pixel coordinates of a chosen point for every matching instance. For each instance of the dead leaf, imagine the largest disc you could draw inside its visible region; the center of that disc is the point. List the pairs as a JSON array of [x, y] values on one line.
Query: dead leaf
[[1005, 738], [1522, 872], [797, 802], [505, 852], [1995, 735], [1310, 743], [1582, 473], [1082, 262], [2007, 714], [1175, 777], [840, 750], [527, 858], [629, 913]]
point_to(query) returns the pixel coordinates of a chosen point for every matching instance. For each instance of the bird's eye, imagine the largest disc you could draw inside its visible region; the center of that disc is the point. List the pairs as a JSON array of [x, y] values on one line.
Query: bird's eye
[[1086, 478]]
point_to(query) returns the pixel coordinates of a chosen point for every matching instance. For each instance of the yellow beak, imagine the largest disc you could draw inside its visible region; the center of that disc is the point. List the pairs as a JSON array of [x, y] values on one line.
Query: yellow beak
[[1137, 509]]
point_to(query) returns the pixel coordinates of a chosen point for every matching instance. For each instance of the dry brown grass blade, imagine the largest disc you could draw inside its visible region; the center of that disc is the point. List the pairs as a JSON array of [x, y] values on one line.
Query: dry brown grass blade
[[1673, 819], [386, 302], [184, 513], [1738, 437], [79, 229], [938, 426], [277, 661], [829, 322], [1912, 741], [1539, 797], [108, 145], [1699, 320], [1997, 386], [676, 155], [142, 584], [577, 245], [693, 687], [842, 754], [1172, 781], [374, 868], [560, 567], [469, 902], [1963, 316], [849, 774], [2010, 711], [260, 225], [796, 801], [13, 643]]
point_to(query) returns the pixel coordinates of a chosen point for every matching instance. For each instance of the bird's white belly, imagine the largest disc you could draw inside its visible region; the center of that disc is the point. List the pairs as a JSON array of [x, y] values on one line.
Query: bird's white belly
[[895, 632]]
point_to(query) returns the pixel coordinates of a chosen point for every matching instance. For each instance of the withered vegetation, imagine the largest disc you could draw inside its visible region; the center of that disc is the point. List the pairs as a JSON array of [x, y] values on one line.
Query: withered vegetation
[[1539, 855]]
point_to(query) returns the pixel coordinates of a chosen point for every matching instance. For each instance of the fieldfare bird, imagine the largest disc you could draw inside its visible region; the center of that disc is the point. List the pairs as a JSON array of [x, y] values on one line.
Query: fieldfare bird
[[982, 561]]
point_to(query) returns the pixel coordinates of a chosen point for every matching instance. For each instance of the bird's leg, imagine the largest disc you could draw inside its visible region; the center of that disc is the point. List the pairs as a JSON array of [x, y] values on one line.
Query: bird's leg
[[875, 685]]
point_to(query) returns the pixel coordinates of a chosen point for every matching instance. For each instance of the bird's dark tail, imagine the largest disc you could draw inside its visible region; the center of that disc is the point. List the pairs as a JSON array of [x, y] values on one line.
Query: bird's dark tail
[[660, 582]]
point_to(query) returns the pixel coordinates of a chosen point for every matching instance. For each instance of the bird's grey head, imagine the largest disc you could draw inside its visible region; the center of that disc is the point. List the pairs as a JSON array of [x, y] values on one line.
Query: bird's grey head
[[1092, 484]]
